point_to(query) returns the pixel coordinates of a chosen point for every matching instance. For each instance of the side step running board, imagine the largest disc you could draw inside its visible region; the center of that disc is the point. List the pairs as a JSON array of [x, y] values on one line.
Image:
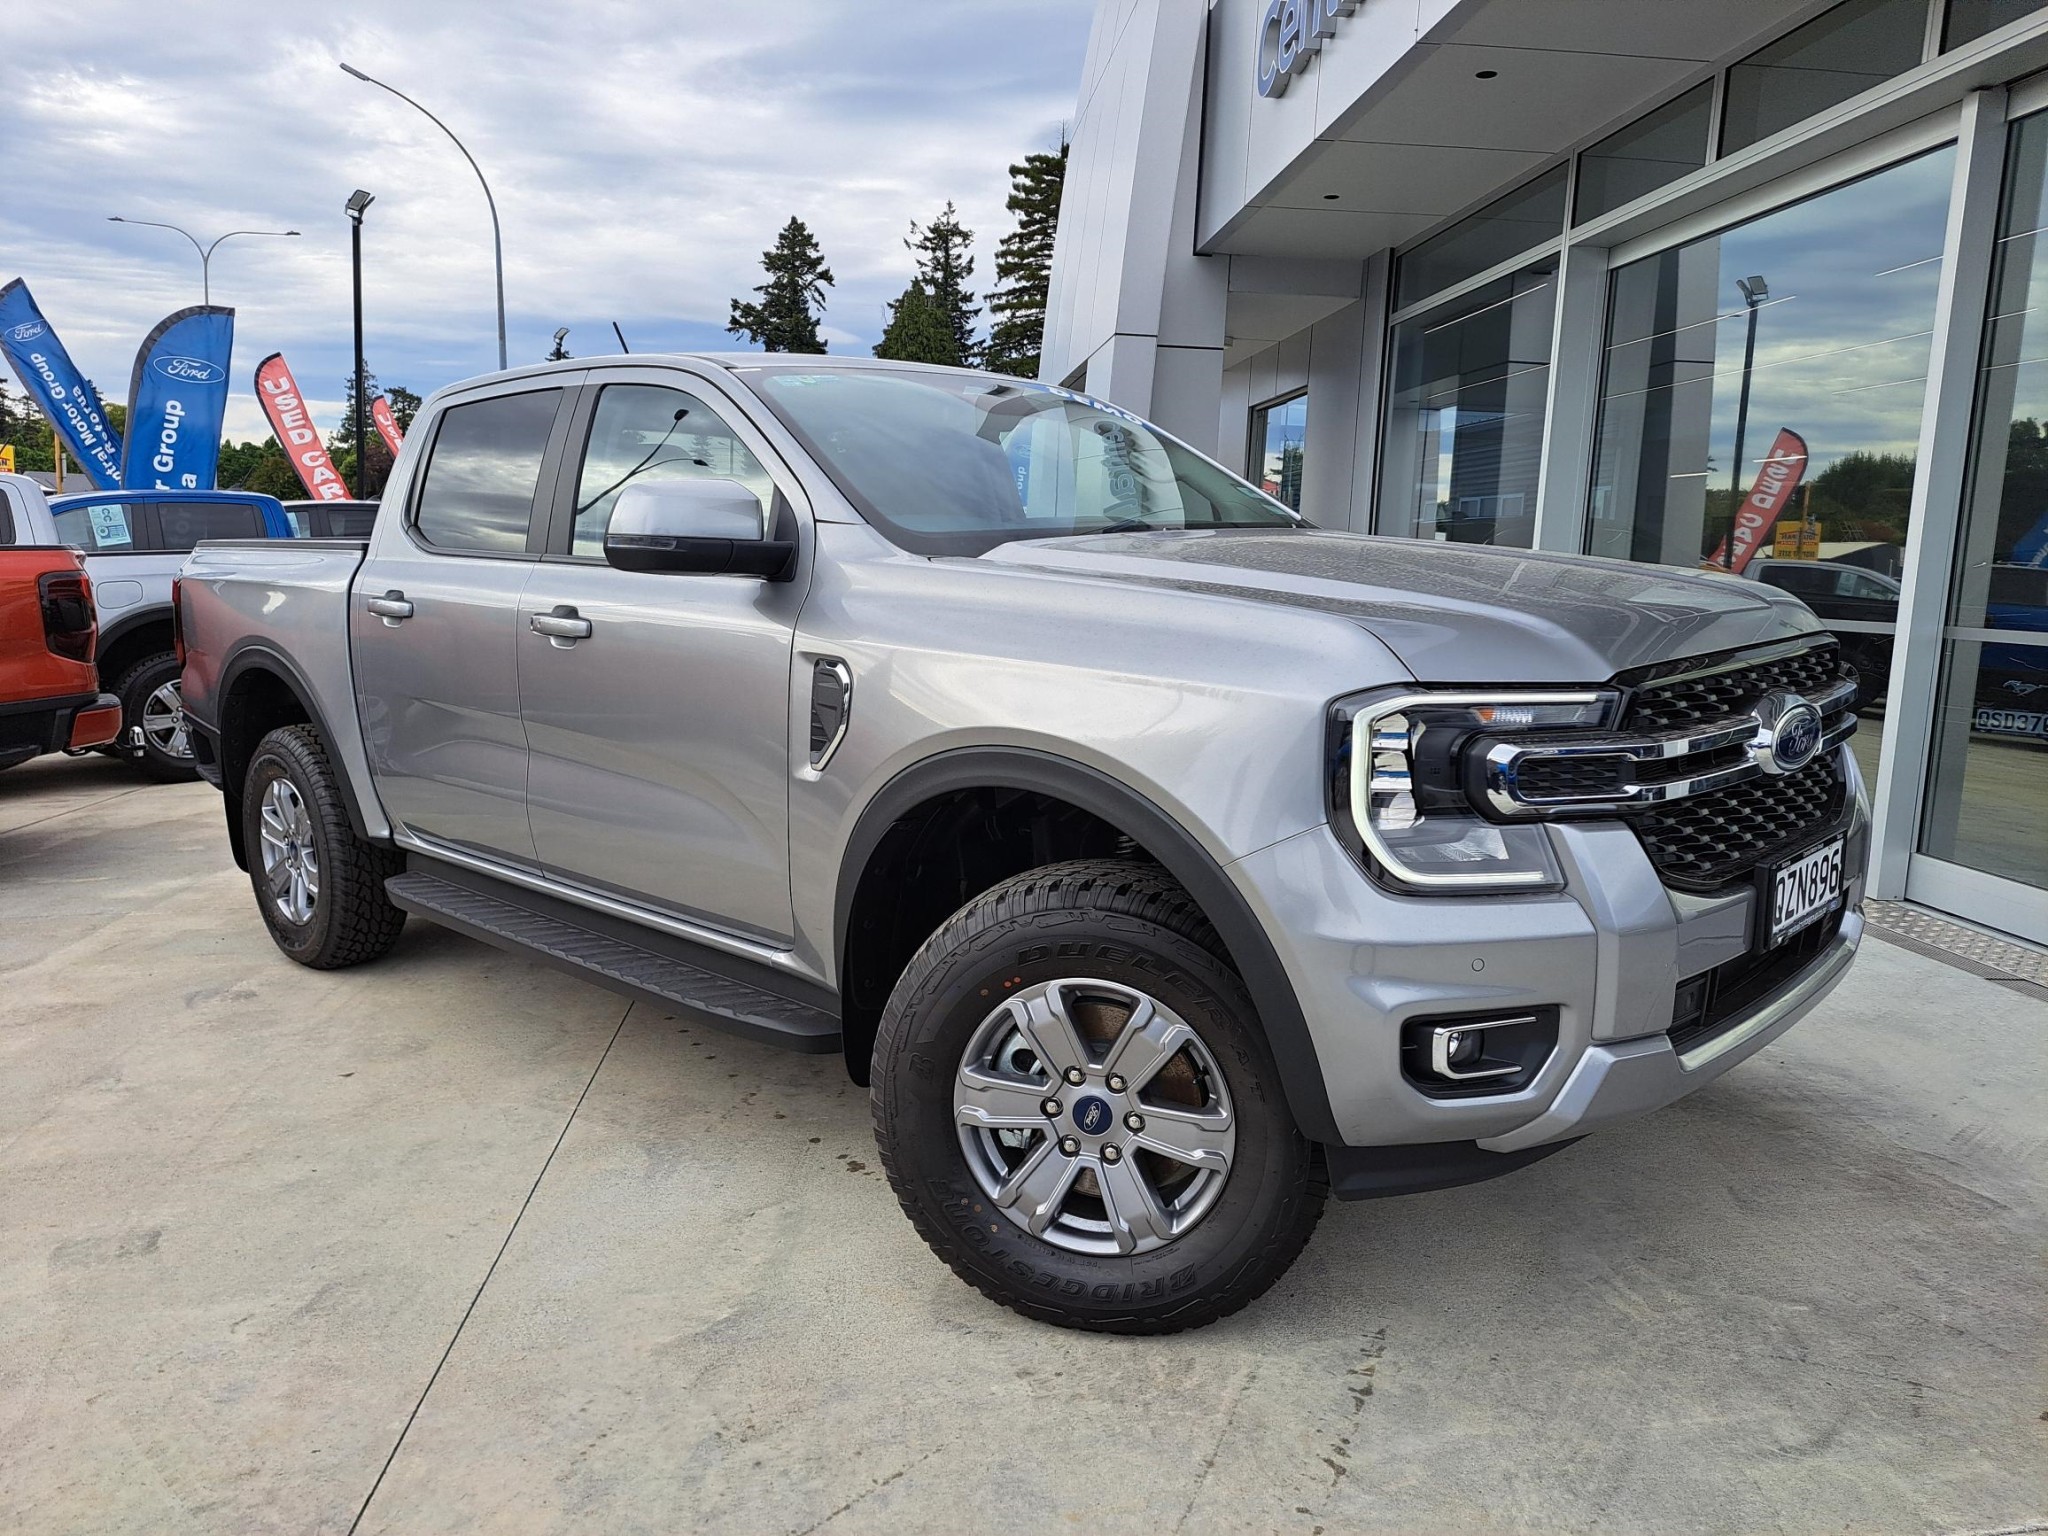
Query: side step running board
[[618, 965]]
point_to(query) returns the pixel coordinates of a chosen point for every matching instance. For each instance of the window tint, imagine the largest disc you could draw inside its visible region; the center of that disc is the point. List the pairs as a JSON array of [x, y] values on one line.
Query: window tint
[[1806, 581], [6, 519], [478, 491], [185, 523], [1525, 218], [1656, 149], [347, 522], [1833, 57], [1971, 19], [650, 432], [99, 527]]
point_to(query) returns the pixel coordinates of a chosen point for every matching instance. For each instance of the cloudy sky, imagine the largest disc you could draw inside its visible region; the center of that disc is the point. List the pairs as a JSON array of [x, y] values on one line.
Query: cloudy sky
[[643, 154]]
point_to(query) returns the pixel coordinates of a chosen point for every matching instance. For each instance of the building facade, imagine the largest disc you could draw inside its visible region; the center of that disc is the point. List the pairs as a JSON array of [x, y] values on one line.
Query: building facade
[[1756, 286]]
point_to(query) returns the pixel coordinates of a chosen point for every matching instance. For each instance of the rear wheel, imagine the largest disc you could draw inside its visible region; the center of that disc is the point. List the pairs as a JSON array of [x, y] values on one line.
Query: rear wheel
[[153, 729], [319, 887], [1078, 1111]]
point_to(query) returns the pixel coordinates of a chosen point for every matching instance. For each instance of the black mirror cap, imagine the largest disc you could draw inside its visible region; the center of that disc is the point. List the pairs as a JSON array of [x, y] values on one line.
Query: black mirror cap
[[765, 559]]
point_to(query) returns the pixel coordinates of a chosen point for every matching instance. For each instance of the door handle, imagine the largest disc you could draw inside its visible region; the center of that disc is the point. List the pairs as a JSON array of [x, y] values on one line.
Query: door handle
[[562, 625], [392, 608]]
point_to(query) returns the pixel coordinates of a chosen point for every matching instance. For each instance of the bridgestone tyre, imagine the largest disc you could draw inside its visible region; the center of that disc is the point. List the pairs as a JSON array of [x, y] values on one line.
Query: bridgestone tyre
[[1132, 931], [347, 919], [138, 686]]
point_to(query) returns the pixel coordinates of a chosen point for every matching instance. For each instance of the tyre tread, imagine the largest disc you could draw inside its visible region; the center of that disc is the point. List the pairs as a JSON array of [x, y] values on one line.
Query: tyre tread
[[1111, 887], [363, 924]]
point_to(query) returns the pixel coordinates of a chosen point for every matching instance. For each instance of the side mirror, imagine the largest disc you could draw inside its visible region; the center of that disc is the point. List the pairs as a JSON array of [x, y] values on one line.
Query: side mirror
[[694, 527]]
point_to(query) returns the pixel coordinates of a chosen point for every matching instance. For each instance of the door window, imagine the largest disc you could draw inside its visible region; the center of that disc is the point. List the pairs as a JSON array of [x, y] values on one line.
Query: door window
[[477, 496], [649, 432], [99, 527], [182, 524]]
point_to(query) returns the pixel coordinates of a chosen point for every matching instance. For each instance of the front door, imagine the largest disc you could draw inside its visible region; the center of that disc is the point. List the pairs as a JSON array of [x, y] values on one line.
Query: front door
[[434, 622], [660, 741]]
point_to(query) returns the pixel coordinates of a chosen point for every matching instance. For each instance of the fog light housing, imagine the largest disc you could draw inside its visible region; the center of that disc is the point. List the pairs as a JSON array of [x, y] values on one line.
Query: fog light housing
[[1472, 1054]]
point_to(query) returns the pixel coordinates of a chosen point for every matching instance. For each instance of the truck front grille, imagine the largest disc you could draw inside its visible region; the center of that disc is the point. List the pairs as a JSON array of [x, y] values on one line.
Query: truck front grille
[[1692, 696], [1708, 840], [1711, 839]]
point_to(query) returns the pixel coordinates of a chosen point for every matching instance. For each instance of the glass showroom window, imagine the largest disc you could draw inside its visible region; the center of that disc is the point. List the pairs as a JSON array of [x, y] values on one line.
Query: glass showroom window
[[1464, 438], [1279, 438], [1653, 151], [1985, 808], [1497, 233], [1777, 370], [1969, 20], [1839, 54]]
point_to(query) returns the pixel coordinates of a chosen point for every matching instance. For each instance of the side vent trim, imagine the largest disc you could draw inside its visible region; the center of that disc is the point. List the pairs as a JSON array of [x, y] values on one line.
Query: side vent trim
[[831, 708]]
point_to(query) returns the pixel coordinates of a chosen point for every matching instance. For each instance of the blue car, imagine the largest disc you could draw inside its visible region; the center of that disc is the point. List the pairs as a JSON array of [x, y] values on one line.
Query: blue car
[[134, 543]]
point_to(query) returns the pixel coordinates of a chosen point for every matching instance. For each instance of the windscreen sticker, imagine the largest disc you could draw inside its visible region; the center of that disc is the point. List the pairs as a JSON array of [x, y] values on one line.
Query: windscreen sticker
[[109, 525]]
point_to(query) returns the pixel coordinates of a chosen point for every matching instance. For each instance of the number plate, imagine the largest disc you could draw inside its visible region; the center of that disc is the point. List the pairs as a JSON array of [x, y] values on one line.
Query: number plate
[[1804, 891]]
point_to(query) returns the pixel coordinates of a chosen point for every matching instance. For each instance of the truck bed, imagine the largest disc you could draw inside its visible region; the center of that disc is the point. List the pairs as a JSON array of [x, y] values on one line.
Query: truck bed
[[290, 600]]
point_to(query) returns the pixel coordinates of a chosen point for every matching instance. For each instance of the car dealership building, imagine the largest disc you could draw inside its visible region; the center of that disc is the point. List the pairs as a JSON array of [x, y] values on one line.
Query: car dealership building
[[1755, 285]]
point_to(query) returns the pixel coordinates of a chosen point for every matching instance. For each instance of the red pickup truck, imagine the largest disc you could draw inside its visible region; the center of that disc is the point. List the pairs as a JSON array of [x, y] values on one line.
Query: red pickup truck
[[50, 699]]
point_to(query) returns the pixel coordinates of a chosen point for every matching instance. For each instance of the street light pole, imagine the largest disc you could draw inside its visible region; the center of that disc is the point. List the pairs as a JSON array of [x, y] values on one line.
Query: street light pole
[[1754, 292], [497, 236], [205, 251], [358, 203]]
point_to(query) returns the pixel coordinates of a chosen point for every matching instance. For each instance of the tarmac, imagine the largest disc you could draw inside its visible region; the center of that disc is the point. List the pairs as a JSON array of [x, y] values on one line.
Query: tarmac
[[453, 1243]]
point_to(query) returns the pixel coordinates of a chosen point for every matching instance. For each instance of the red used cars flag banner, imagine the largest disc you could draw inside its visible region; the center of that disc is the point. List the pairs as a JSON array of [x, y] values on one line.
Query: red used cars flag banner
[[387, 424], [1775, 484], [286, 408]]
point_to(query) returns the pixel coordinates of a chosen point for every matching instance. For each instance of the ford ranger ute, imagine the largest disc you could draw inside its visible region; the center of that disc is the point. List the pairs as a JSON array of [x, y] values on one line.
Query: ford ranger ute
[[49, 695], [1164, 864], [134, 542]]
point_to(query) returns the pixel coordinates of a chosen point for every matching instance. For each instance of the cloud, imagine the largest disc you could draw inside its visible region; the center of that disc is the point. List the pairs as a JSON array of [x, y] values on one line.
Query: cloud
[[642, 155]]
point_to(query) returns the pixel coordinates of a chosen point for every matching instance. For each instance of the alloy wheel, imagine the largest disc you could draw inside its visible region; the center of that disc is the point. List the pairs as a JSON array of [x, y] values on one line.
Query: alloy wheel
[[291, 863], [163, 720], [1094, 1117]]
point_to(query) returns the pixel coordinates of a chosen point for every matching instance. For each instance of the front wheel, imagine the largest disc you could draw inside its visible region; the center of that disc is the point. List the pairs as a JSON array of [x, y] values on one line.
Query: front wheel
[[319, 886], [1078, 1110]]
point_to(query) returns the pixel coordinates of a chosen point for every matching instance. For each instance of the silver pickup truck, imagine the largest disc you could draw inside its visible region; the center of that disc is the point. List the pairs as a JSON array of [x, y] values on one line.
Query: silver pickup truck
[[1163, 863]]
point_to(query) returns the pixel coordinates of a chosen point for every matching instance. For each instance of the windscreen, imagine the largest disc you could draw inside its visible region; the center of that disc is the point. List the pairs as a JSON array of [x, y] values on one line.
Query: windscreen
[[945, 463]]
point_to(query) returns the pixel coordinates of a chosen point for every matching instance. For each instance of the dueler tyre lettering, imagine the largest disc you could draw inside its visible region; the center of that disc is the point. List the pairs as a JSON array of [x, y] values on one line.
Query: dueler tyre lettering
[[1077, 1109], [319, 887], [153, 719]]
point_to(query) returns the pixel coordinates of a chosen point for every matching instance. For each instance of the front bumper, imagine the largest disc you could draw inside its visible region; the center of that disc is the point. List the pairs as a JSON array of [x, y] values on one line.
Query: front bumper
[[1608, 953]]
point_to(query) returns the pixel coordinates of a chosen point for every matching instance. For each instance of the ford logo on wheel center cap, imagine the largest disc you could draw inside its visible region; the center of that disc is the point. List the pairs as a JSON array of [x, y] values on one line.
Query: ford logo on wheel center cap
[[1788, 733], [1092, 1115]]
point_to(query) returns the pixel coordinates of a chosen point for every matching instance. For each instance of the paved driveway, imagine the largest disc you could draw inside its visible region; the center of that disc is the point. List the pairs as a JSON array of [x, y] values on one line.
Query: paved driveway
[[452, 1243]]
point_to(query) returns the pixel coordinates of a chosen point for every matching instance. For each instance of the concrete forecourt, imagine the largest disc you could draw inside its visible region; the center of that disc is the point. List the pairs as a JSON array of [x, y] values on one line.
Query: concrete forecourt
[[249, 1206]]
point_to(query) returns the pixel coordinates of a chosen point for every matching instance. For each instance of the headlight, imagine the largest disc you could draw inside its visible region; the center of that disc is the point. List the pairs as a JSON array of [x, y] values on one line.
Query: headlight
[[1396, 778]]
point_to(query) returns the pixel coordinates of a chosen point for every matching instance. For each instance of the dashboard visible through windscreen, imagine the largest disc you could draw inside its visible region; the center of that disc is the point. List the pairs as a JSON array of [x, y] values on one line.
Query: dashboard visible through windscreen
[[955, 464]]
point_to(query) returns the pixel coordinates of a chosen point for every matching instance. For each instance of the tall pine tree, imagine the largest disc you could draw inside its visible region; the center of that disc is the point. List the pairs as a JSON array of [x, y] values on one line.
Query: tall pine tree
[[342, 446], [945, 262], [919, 330], [1024, 265], [793, 298]]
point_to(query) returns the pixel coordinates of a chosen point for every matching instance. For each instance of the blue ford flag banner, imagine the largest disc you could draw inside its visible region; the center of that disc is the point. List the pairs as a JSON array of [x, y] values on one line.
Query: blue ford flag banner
[[176, 401], [65, 395]]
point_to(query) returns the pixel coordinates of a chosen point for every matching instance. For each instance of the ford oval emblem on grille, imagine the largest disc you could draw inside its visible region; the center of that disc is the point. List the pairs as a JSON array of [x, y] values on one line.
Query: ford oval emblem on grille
[[1788, 733]]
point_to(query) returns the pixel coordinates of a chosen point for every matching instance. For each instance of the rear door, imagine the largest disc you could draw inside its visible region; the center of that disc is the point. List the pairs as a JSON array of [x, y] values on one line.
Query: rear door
[[660, 767], [435, 658]]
